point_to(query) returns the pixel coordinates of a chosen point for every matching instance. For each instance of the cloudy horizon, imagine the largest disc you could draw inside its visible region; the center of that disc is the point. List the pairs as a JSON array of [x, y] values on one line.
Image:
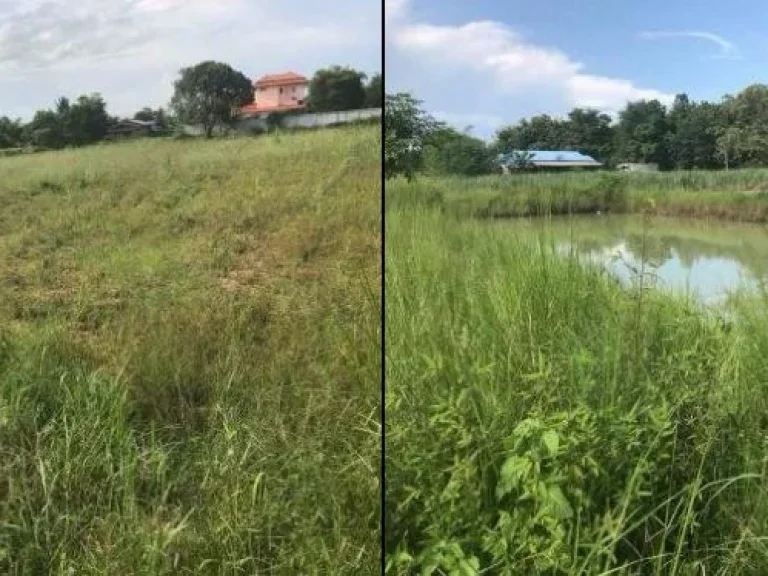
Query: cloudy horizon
[[131, 51], [484, 65]]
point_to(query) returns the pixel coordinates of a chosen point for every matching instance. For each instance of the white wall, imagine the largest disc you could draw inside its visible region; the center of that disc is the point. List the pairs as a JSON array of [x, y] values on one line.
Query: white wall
[[327, 118], [310, 120], [297, 121]]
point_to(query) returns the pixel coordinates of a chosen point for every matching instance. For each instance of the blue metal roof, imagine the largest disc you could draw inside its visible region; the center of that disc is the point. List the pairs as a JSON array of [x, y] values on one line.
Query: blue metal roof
[[551, 156]]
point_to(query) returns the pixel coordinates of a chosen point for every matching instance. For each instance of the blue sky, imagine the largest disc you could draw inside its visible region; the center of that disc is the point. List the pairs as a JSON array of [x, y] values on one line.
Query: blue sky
[[488, 63], [131, 50]]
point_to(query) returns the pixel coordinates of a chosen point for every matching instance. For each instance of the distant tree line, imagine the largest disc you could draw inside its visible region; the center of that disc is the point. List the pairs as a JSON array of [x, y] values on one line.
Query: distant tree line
[[685, 135], [209, 94]]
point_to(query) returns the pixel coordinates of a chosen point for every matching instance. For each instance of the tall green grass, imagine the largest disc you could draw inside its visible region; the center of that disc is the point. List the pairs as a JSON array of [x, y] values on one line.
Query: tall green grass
[[541, 419], [732, 195], [189, 357]]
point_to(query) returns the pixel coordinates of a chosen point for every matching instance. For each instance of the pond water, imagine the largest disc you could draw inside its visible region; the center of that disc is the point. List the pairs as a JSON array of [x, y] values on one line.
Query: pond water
[[707, 260]]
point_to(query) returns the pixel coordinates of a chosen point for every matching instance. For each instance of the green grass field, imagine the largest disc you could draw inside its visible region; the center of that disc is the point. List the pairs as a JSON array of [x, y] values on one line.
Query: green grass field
[[543, 420], [190, 358], [740, 195]]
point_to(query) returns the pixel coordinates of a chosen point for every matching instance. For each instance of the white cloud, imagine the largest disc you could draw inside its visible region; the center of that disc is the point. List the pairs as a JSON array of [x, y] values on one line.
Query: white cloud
[[490, 62], [476, 120], [516, 65], [394, 9], [609, 94], [727, 48], [129, 49]]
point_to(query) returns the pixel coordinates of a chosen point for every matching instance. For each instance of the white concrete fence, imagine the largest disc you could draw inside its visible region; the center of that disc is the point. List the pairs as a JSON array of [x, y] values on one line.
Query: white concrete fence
[[316, 120]]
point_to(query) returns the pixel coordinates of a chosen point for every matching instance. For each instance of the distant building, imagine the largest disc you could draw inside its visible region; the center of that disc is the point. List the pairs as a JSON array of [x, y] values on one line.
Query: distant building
[[128, 127], [278, 93], [546, 159], [630, 167]]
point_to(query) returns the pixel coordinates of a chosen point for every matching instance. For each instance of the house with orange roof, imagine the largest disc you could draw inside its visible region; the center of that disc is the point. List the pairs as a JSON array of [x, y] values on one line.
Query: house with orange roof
[[278, 93]]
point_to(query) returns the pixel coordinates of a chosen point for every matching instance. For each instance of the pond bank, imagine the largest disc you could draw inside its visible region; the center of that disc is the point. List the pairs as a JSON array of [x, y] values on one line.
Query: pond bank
[[737, 200]]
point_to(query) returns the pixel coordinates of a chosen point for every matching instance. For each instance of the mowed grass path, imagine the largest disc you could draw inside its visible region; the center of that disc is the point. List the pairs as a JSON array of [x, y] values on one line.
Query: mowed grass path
[[543, 420], [189, 357]]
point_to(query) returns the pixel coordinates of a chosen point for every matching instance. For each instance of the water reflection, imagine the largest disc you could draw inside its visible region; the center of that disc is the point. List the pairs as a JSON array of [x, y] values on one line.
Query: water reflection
[[707, 260]]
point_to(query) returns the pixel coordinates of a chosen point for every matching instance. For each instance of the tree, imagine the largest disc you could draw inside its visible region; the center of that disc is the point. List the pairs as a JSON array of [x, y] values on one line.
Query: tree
[[210, 94], [161, 119], [591, 133], [374, 92], [729, 145], [46, 130], [11, 133], [337, 89], [61, 111], [693, 133], [682, 133], [745, 136], [86, 121], [538, 133], [449, 151], [145, 115], [641, 133], [406, 129], [79, 124]]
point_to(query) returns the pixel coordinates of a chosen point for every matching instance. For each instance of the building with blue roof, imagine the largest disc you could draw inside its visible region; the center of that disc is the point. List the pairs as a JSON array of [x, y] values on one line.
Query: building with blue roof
[[547, 159]]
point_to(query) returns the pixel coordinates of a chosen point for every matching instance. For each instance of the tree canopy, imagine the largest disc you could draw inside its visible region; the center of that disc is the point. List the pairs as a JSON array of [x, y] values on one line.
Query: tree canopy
[[11, 133], [337, 88], [84, 122], [374, 92], [210, 94], [406, 130], [683, 135], [449, 151]]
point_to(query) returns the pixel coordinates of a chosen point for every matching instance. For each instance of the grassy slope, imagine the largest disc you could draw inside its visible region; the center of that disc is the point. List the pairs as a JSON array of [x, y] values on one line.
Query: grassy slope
[[734, 195], [541, 420], [189, 359]]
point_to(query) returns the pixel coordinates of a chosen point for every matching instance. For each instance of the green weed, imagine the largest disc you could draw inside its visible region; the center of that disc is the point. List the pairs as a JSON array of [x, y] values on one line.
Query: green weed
[[732, 195], [189, 357], [541, 419]]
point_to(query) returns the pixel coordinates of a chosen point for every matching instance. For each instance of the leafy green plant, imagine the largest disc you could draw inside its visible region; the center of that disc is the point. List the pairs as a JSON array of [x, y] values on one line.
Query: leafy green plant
[[544, 419]]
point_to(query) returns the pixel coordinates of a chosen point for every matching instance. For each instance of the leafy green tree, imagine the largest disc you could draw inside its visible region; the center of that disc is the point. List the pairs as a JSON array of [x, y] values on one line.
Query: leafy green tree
[[744, 138], [374, 92], [210, 94], [407, 127], [145, 115], [162, 119], [11, 133], [46, 130], [337, 89], [590, 132], [86, 121], [641, 133], [683, 133], [449, 151], [693, 133], [537, 133]]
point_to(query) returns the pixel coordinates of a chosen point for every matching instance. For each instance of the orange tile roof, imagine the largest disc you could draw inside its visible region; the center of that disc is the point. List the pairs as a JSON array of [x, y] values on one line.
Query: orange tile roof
[[281, 79]]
